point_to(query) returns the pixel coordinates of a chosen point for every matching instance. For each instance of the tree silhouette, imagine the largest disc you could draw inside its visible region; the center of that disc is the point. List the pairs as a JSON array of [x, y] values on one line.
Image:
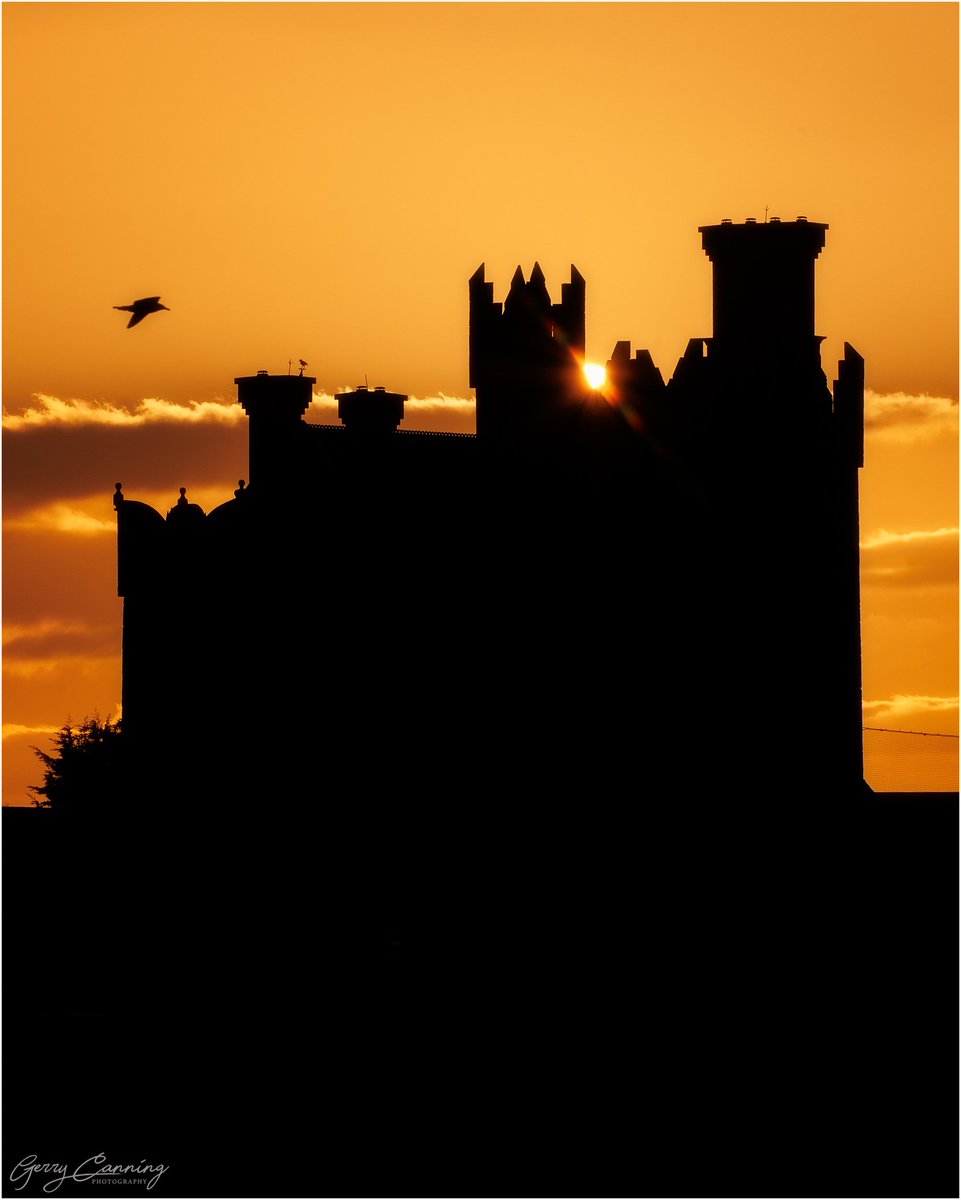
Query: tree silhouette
[[84, 773]]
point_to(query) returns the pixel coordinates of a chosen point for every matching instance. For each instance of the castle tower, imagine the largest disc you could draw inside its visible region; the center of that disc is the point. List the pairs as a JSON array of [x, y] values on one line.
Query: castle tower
[[779, 457], [274, 404], [764, 282], [525, 354]]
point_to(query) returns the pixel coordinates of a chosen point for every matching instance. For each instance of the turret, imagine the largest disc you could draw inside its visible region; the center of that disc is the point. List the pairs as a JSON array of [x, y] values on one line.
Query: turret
[[275, 405], [764, 287], [371, 412]]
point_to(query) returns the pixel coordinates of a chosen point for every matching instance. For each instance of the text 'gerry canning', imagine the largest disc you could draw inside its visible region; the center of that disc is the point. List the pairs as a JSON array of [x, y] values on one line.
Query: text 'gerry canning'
[[94, 1170]]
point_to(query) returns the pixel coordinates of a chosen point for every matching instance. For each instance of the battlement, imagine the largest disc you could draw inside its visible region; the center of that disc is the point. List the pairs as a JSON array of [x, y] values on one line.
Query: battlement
[[527, 319], [764, 279], [772, 227], [526, 352], [274, 397]]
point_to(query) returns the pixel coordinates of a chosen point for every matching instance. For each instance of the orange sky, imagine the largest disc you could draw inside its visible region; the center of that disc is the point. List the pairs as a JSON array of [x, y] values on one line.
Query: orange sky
[[320, 180]]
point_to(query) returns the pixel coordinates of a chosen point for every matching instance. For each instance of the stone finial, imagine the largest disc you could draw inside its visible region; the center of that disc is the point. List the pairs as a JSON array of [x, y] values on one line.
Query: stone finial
[[241, 491], [184, 511], [118, 495]]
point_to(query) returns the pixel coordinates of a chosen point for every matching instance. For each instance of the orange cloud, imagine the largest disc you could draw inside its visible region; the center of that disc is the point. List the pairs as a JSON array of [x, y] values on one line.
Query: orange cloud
[[902, 417], [51, 410], [62, 518], [921, 558], [226, 412], [10, 729], [44, 645], [908, 709]]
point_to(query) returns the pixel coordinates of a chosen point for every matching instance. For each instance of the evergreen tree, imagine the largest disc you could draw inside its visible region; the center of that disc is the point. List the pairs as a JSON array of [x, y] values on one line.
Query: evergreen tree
[[84, 771]]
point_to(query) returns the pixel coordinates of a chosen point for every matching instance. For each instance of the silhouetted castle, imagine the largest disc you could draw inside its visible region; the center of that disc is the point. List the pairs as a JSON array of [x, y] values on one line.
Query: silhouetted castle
[[632, 594], [457, 797]]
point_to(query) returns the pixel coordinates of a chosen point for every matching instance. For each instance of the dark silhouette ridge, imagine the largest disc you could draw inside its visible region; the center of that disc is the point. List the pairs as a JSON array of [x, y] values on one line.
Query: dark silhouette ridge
[[142, 308], [467, 789]]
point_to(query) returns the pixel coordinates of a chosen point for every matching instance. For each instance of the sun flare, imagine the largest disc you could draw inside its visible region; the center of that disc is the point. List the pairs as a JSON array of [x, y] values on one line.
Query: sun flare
[[595, 375]]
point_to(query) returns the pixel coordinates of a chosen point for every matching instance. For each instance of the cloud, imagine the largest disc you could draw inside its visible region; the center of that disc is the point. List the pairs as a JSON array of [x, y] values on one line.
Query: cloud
[[94, 515], [51, 410], [11, 729], [883, 538], [901, 417], [226, 412], [441, 413], [62, 518], [901, 708], [44, 645], [48, 410], [921, 558], [443, 401]]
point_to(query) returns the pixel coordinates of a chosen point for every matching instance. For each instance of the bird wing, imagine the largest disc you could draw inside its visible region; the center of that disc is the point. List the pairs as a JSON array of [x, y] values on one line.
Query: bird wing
[[147, 300], [136, 318]]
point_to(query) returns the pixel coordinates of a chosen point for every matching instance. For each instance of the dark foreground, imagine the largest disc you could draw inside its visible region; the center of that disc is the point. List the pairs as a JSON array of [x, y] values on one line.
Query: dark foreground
[[713, 1004]]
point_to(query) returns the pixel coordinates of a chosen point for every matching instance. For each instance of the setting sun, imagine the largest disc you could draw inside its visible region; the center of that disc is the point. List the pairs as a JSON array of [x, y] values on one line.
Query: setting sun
[[595, 375]]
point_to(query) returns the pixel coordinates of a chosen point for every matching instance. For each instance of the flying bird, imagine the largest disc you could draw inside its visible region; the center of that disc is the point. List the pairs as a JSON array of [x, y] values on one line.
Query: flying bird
[[141, 308]]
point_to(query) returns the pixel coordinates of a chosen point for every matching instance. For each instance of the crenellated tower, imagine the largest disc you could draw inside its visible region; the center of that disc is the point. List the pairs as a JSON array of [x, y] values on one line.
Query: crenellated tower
[[525, 354]]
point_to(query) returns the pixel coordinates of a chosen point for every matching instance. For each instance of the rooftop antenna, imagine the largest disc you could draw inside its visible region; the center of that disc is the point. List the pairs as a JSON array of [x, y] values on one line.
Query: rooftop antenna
[[765, 214], [366, 384]]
